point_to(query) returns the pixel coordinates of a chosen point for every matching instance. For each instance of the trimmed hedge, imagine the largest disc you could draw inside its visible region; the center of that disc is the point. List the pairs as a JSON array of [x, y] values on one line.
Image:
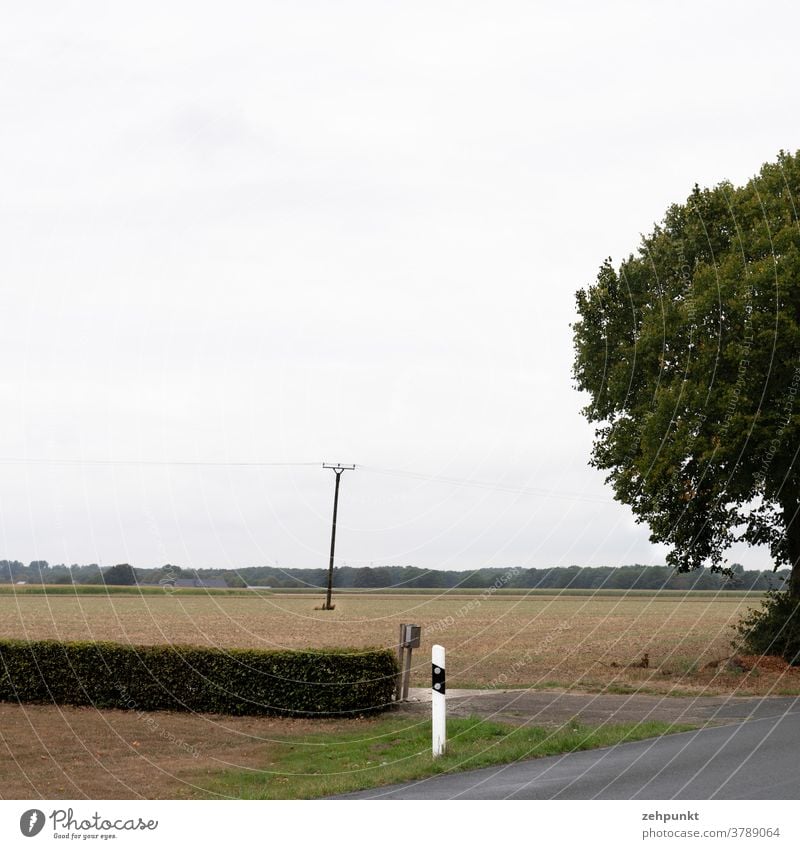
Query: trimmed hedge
[[194, 678]]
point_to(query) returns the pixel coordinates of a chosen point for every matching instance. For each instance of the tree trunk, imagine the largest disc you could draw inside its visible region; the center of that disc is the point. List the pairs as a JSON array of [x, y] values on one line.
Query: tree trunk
[[791, 515]]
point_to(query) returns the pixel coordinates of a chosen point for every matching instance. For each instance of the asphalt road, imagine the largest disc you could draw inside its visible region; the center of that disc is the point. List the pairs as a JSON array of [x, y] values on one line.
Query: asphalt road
[[755, 759]]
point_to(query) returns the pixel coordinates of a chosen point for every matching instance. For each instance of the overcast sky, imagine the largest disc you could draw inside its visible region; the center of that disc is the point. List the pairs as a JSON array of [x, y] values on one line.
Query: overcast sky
[[314, 231]]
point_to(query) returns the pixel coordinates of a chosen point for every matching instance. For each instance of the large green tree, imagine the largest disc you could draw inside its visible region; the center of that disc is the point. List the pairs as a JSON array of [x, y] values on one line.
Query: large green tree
[[690, 354], [120, 575]]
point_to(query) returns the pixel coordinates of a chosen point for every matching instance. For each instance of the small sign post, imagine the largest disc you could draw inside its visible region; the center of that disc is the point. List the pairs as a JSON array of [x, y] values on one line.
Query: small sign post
[[438, 701], [409, 639], [401, 653]]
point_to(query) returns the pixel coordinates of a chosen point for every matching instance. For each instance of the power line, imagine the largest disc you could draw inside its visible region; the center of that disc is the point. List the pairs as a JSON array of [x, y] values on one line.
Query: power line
[[488, 485], [45, 461]]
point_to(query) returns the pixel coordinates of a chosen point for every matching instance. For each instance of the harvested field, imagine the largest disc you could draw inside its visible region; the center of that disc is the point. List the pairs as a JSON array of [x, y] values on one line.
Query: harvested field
[[54, 752], [620, 643]]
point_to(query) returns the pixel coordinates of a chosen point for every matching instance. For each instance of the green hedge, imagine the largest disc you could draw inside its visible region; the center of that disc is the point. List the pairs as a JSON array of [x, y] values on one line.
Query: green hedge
[[193, 678]]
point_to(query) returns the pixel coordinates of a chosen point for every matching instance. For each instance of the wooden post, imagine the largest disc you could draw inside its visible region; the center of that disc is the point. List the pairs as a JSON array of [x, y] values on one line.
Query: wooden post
[[408, 640], [398, 692], [406, 673]]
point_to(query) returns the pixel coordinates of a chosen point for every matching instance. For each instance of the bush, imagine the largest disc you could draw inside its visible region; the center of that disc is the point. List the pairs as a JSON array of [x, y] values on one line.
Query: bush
[[121, 575], [193, 678], [773, 628]]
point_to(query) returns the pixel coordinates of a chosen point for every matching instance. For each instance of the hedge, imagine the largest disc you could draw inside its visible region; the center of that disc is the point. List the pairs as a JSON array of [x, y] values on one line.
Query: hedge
[[194, 678]]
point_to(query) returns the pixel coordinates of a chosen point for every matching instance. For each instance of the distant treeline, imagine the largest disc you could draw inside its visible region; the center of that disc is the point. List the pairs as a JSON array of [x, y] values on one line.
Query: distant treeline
[[637, 577]]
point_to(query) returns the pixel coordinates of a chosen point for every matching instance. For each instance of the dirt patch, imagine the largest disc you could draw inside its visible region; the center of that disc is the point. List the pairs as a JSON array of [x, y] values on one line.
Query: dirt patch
[[72, 753]]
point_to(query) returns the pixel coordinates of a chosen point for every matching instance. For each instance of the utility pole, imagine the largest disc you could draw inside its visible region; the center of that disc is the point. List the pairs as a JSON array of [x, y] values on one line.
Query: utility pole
[[338, 468]]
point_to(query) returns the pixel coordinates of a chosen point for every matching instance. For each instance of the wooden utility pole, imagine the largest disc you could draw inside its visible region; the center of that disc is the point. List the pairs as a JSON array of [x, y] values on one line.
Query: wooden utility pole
[[338, 468]]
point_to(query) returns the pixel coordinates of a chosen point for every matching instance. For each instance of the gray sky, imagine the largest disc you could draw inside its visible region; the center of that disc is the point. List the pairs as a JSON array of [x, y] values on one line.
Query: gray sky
[[306, 232]]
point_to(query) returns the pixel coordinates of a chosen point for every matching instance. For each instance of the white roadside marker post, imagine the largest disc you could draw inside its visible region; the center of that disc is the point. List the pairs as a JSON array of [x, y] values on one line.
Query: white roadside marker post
[[438, 701]]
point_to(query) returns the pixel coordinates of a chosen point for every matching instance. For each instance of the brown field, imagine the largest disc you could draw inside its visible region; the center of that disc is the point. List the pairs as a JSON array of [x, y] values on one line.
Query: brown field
[[55, 752], [572, 642], [576, 642]]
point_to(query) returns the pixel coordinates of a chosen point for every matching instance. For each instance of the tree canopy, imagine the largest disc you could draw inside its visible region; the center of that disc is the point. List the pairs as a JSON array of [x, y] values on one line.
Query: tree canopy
[[690, 354], [121, 575], [632, 576]]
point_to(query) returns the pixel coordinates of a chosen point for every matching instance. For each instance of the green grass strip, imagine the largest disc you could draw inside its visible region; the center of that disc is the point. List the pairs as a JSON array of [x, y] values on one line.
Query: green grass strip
[[391, 750]]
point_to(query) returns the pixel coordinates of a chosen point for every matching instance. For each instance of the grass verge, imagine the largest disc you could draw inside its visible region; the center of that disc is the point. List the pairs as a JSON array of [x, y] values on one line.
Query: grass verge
[[391, 750]]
